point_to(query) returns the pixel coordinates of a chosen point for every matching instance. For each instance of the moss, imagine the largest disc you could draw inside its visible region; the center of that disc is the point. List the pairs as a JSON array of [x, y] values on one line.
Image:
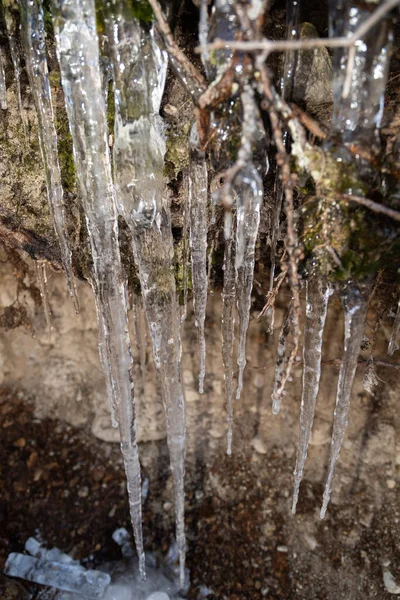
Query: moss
[[177, 154], [110, 107], [141, 10], [179, 251], [138, 9]]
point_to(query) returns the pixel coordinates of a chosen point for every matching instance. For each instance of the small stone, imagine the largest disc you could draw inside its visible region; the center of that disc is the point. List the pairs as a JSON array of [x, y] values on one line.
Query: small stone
[[391, 483], [20, 442], [19, 486], [259, 446], [171, 110], [282, 548], [32, 460], [390, 584], [83, 492]]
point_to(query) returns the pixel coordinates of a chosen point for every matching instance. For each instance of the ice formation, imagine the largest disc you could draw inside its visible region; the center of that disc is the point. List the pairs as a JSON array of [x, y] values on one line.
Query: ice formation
[[133, 64], [35, 52], [317, 295], [198, 200], [12, 27], [78, 53], [3, 89], [355, 306], [138, 170]]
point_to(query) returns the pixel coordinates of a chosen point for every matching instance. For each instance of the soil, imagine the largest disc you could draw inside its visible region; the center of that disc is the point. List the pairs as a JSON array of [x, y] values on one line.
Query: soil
[[59, 483]]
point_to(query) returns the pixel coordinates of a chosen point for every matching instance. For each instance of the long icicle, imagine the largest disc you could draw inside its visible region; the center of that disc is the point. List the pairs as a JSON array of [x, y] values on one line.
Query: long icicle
[[36, 65], [228, 332], [287, 84], [138, 168], [249, 188], [317, 295], [3, 89], [355, 305], [185, 251], [78, 53], [198, 242], [11, 26]]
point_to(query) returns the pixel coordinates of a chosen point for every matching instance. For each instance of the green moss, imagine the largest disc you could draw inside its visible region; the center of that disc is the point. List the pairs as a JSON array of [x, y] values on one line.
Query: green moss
[[141, 10], [138, 9], [179, 260], [110, 108]]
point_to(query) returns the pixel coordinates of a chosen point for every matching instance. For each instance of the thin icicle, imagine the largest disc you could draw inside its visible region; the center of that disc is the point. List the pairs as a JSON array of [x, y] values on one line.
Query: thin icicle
[[140, 333], [36, 65], [11, 25], [44, 293], [77, 47], [360, 73], [250, 194], [394, 343], [228, 332], [3, 89], [249, 188], [185, 250], [104, 352], [287, 86], [355, 305], [317, 295], [138, 169], [198, 242]]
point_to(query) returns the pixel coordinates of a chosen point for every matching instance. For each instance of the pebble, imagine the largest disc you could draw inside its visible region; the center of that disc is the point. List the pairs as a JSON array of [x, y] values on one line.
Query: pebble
[[390, 584], [83, 492], [20, 442], [282, 548], [258, 446], [391, 483]]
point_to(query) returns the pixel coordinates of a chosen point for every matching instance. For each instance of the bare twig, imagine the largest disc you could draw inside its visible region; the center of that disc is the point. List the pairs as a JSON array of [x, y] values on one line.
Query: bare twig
[[379, 208], [308, 122], [173, 49], [305, 44]]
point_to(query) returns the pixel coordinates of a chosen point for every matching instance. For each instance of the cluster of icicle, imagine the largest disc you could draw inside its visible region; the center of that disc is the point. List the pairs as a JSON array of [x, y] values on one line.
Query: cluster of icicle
[[136, 64]]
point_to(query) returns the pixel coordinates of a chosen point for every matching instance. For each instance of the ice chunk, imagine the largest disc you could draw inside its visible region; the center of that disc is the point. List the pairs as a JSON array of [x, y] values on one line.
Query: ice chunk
[[71, 578]]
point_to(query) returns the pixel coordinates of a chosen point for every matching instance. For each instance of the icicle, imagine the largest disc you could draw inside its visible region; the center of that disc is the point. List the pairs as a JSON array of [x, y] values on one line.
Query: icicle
[[360, 73], [223, 26], [228, 331], [355, 305], [250, 194], [138, 169], [36, 64], [198, 242], [203, 31], [140, 333], [104, 352], [44, 293], [3, 89], [394, 344], [11, 26], [287, 85], [317, 295], [77, 47], [249, 188], [185, 252]]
